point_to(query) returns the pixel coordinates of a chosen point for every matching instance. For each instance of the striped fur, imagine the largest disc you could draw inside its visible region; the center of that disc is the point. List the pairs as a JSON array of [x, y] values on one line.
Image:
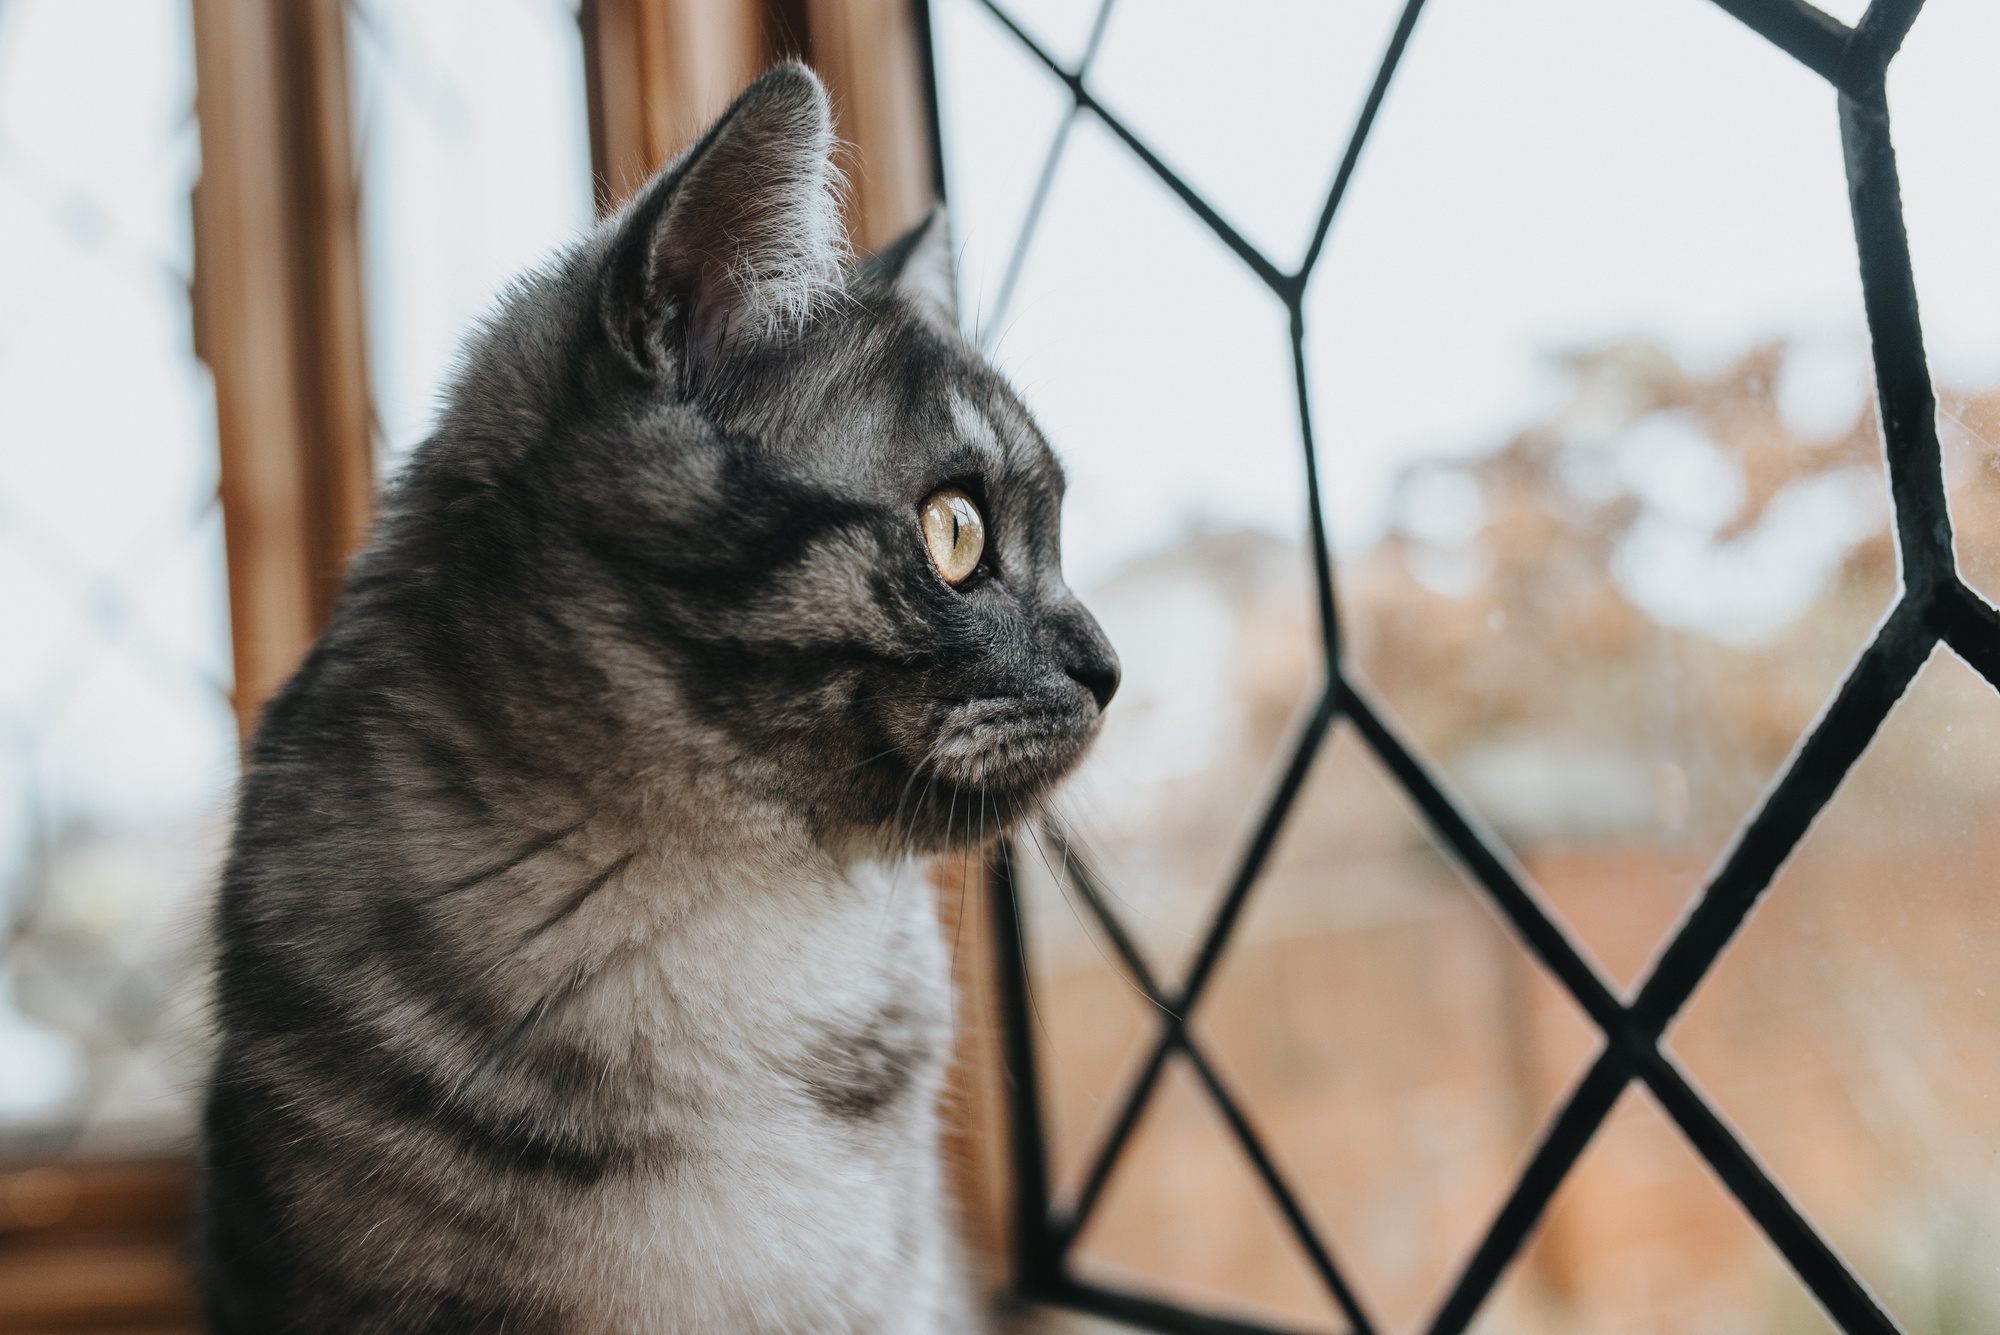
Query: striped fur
[[575, 973]]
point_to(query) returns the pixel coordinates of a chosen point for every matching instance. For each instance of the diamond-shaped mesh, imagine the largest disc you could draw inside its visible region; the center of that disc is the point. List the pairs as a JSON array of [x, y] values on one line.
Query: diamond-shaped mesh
[[1935, 606], [117, 743]]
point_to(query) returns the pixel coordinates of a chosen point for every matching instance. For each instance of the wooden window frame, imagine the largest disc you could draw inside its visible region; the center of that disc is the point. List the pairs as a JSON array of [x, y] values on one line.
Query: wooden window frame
[[278, 319]]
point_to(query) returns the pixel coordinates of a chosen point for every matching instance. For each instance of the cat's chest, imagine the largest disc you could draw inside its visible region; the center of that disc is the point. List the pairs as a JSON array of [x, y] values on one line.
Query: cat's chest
[[802, 1046], [816, 1000]]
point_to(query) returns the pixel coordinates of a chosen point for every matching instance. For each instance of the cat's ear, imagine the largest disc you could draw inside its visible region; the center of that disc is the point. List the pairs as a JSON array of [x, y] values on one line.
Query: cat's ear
[[918, 267], [740, 240]]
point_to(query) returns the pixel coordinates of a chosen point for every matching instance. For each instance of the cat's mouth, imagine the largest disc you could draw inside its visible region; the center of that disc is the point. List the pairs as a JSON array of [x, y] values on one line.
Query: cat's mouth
[[967, 769], [1010, 748]]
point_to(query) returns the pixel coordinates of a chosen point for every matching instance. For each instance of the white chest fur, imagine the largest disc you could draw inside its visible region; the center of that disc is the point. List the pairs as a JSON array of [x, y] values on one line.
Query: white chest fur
[[800, 1030]]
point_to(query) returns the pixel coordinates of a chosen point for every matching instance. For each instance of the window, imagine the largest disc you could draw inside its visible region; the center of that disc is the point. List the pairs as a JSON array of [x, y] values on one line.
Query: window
[[474, 159], [117, 746], [1601, 943]]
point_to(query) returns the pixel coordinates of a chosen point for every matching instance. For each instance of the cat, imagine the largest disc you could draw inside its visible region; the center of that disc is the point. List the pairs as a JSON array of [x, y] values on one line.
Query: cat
[[576, 968]]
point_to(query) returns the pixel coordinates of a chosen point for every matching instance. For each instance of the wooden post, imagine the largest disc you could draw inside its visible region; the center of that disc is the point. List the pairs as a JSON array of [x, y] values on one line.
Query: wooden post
[[278, 319], [866, 50], [975, 1098], [656, 72]]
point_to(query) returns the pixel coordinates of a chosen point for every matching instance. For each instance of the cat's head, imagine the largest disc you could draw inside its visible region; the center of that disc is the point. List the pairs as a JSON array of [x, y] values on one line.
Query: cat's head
[[782, 476]]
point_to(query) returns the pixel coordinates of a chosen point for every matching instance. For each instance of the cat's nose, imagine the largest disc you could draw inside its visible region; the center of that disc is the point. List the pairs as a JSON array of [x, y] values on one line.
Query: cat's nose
[[1099, 676], [1092, 663]]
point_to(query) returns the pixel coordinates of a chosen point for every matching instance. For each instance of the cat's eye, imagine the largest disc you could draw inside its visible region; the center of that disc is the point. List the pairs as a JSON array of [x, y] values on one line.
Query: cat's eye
[[955, 532]]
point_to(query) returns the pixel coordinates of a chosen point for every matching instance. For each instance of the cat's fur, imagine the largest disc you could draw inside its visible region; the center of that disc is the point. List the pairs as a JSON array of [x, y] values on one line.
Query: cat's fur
[[574, 972]]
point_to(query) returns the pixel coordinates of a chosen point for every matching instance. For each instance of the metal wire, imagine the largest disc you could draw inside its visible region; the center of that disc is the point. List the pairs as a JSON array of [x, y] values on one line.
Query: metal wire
[[1935, 606]]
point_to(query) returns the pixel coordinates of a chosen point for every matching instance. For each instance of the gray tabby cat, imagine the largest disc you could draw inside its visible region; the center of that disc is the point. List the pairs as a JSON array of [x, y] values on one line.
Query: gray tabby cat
[[575, 973]]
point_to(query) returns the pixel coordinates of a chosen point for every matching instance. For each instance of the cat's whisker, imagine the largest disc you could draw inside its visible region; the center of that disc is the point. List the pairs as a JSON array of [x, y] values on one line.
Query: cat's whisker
[[863, 764], [1084, 920], [846, 703], [950, 815], [916, 773]]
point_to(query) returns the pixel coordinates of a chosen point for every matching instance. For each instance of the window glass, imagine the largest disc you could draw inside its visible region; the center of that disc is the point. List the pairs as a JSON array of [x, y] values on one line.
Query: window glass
[[475, 165], [1189, 1219], [1851, 1032], [1171, 70], [1399, 1049], [1940, 89], [117, 742], [1590, 381], [1593, 377], [1641, 1239]]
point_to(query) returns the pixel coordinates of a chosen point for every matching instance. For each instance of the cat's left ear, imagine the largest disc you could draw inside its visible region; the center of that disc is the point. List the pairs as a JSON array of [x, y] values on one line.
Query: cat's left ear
[[918, 267], [739, 241]]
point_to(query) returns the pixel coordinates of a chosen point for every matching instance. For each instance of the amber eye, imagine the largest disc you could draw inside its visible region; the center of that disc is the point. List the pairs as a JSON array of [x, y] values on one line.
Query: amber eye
[[955, 532]]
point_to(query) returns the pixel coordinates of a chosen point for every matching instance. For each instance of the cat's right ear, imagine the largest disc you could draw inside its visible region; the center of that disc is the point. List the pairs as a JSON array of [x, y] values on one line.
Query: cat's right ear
[[738, 241], [917, 267]]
